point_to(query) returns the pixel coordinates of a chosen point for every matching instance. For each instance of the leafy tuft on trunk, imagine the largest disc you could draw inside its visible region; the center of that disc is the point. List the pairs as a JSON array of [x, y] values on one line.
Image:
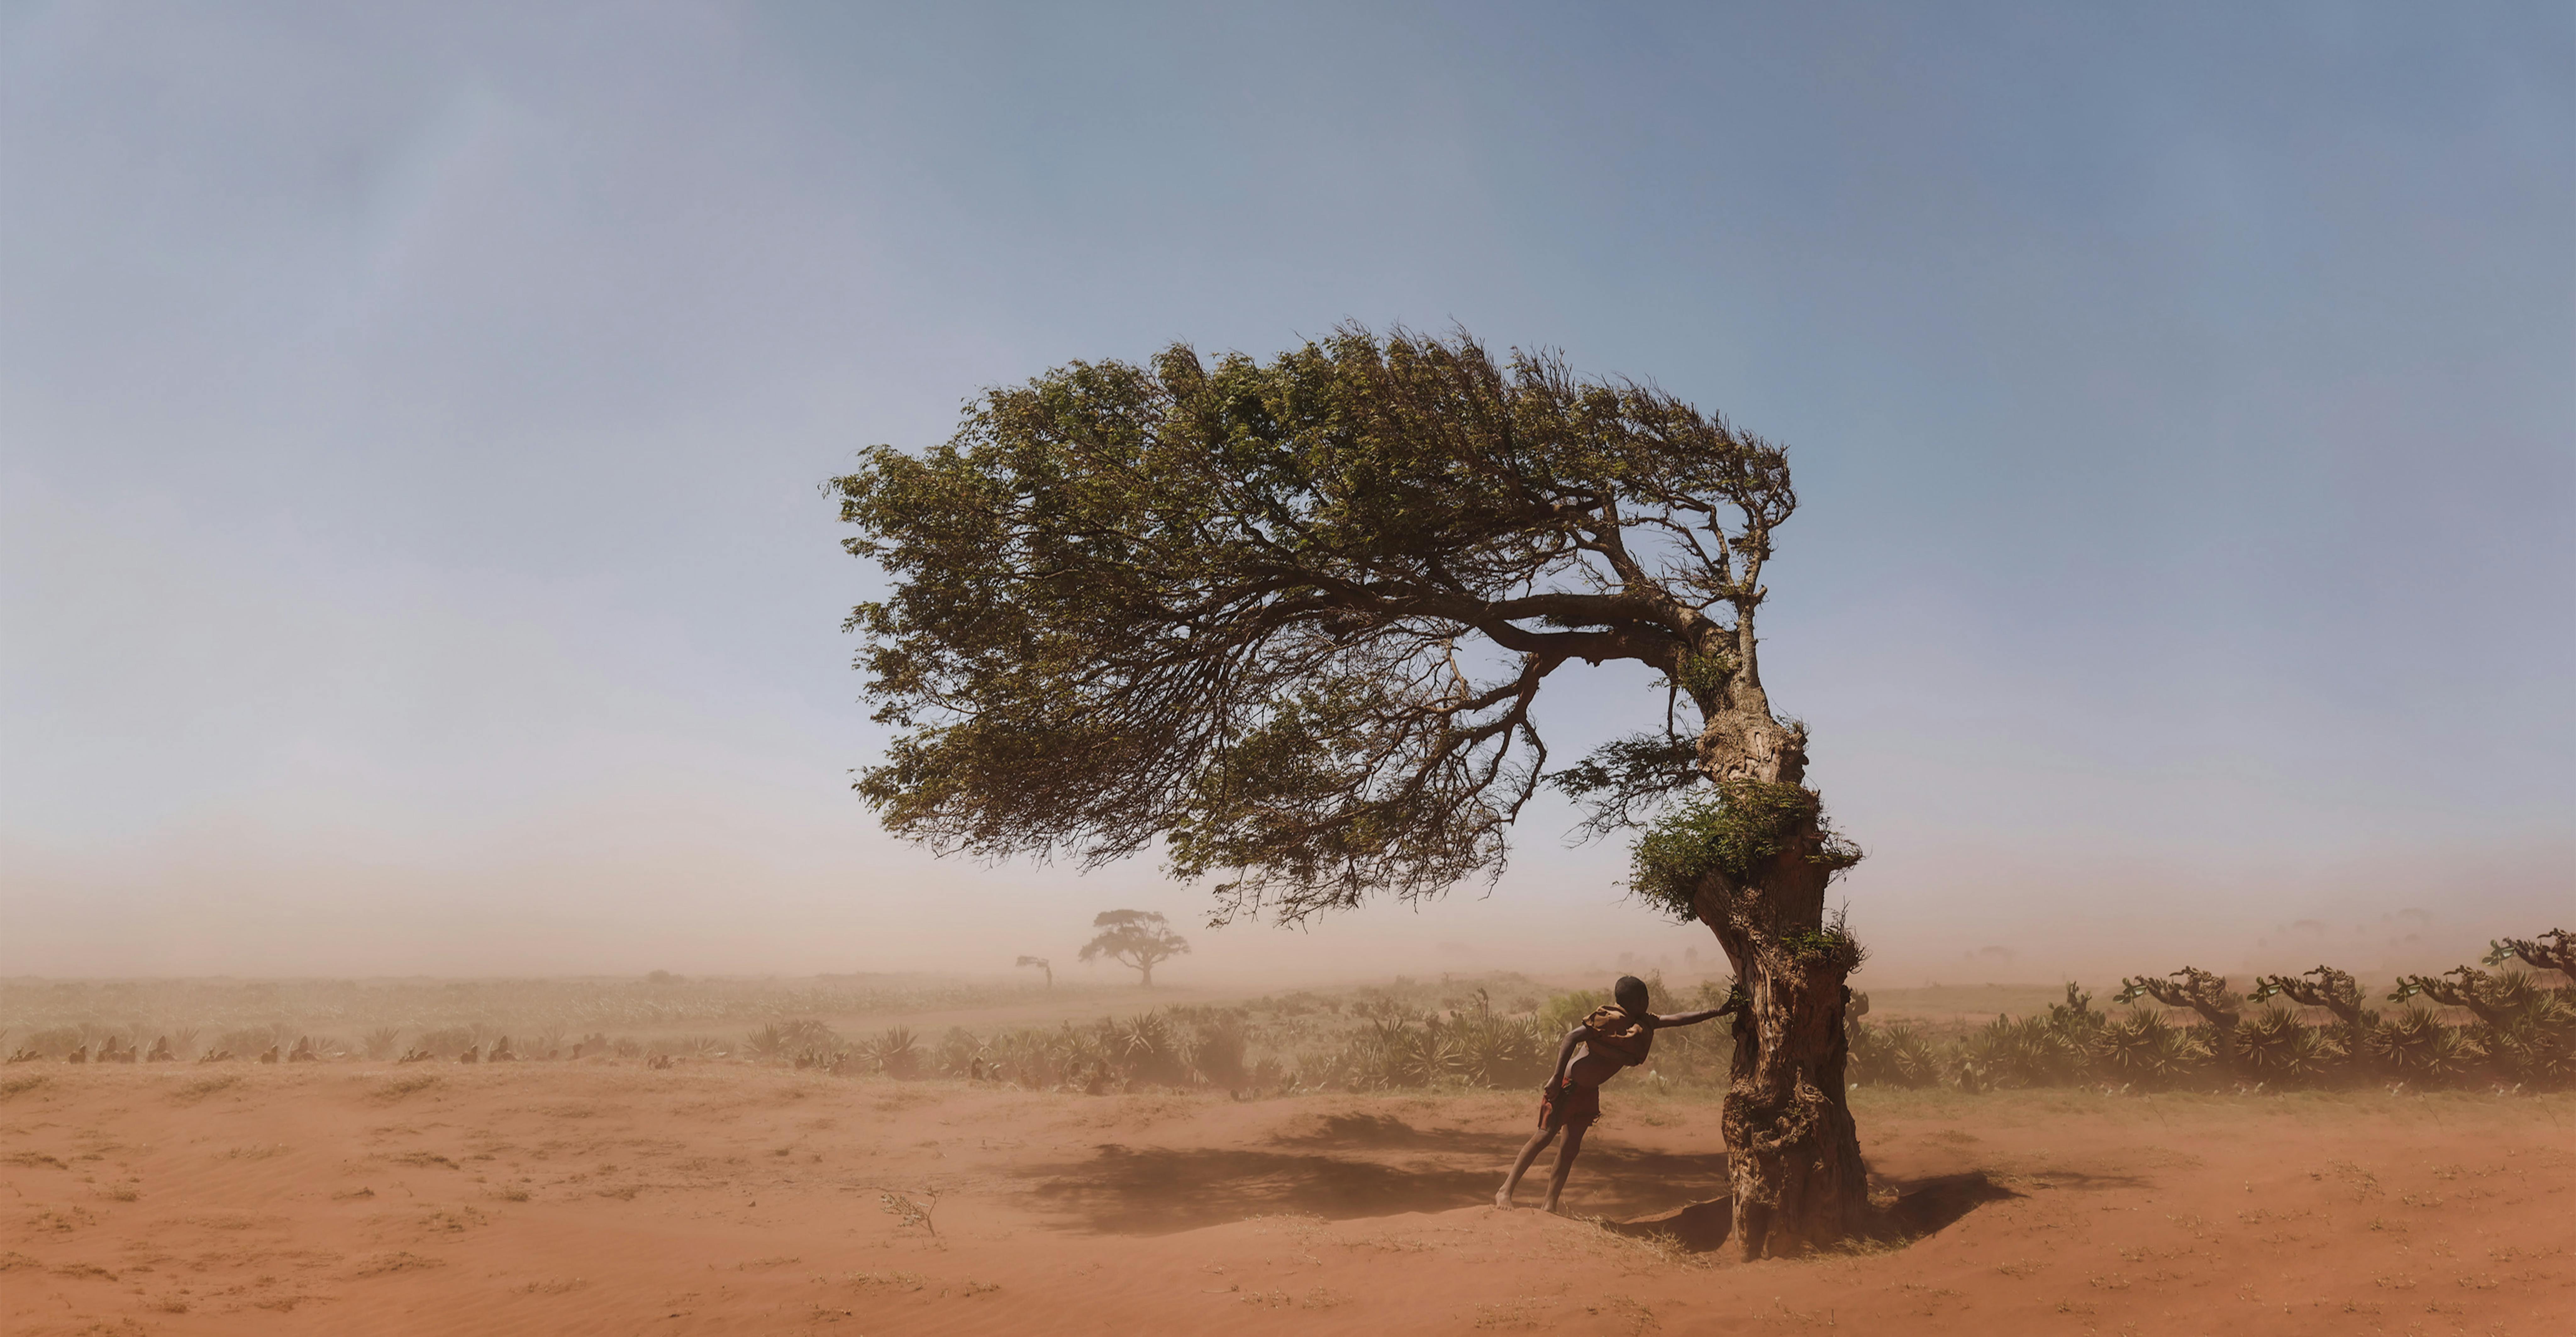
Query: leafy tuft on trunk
[[1736, 831]]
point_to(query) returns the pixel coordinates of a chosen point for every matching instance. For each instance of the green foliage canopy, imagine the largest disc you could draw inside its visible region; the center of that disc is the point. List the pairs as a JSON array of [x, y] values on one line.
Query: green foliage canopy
[[1288, 618]]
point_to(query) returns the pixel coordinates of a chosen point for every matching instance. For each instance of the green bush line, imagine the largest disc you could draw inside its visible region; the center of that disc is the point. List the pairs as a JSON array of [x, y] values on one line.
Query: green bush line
[[629, 1004], [1405, 1036], [2529, 1041], [2503, 1029], [1380, 1042]]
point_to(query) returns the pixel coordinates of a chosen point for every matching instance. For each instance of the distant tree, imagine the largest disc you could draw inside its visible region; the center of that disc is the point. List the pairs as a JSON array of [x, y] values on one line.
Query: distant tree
[[1287, 622], [1041, 963], [1136, 939]]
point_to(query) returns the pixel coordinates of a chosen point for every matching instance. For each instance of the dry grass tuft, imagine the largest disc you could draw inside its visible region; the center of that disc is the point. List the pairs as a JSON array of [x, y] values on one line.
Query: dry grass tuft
[[1656, 1250], [400, 1088], [1518, 1314], [192, 1092], [892, 1281], [381, 1264], [421, 1159]]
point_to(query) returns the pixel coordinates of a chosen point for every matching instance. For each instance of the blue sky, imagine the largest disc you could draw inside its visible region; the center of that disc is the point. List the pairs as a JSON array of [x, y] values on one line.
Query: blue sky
[[411, 417]]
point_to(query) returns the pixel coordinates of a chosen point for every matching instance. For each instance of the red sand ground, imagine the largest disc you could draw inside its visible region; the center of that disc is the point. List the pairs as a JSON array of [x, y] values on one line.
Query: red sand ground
[[554, 1198]]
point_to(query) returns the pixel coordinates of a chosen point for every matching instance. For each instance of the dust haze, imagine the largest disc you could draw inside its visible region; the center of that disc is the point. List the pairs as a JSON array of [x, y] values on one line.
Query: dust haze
[[432, 898]]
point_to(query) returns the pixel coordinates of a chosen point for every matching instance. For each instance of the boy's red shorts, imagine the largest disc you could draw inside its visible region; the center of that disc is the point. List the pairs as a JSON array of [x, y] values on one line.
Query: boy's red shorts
[[1562, 1105]]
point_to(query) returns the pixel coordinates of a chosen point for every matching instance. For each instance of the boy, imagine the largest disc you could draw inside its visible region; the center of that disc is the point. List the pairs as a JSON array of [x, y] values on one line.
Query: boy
[[1611, 1038]]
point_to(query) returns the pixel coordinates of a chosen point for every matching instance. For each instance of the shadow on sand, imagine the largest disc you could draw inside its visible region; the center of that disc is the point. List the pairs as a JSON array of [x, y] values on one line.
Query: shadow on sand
[[1922, 1206], [1349, 1166], [1359, 1165]]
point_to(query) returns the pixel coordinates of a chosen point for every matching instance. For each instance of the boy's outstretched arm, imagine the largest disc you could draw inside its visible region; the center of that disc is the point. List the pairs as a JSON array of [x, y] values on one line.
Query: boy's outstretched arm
[[1735, 1004]]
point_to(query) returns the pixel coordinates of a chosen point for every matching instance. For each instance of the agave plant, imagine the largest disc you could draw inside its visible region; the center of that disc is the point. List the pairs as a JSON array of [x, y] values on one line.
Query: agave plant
[[1144, 1048], [1387, 1053], [1379, 1057], [2516, 994], [960, 1054], [2530, 1054], [1440, 1058], [783, 1039], [1074, 1056], [2145, 1049], [2275, 1047], [1495, 1051], [896, 1052], [1415, 1055], [1008, 1059], [2027, 1052], [2417, 1046], [1892, 1055], [2537, 1047], [1216, 1053]]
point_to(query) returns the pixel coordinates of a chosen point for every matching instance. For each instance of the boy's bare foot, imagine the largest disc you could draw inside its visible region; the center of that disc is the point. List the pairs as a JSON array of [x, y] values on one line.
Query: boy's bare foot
[[1503, 1198], [1552, 1209]]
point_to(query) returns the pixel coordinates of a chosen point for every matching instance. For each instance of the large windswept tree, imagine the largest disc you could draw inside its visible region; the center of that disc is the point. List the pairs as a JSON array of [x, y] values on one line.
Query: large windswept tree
[[1289, 621]]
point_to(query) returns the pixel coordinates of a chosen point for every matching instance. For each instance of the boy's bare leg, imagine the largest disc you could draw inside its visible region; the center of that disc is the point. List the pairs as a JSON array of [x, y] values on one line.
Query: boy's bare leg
[[1564, 1162], [1537, 1143]]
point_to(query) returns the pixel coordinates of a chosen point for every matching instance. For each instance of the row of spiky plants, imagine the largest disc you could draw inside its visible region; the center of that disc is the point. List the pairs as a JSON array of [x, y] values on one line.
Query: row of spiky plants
[[1383, 1042], [1155, 1048], [2520, 1032], [524, 1006], [1396, 1049]]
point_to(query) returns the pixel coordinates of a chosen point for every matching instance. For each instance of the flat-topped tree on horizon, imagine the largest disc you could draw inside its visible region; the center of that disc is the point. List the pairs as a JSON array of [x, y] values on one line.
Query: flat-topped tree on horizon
[[1288, 621], [1136, 939], [1041, 963]]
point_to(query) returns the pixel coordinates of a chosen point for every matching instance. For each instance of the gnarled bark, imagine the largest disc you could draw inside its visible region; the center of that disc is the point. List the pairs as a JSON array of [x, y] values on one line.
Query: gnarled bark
[[1793, 1152]]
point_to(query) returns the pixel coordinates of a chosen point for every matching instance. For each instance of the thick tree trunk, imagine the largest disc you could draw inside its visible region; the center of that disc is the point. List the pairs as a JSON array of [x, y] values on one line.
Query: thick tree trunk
[[1793, 1153]]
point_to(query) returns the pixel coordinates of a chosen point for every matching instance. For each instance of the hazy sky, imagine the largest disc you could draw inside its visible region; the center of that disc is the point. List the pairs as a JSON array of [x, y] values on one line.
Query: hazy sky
[[411, 557]]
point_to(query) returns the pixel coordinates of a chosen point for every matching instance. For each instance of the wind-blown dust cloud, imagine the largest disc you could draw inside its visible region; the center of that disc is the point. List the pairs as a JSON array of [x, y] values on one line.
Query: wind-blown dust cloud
[[410, 555], [419, 625]]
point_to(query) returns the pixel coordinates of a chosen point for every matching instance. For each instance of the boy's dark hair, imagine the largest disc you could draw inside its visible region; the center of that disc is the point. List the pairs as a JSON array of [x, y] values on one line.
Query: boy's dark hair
[[1630, 992]]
